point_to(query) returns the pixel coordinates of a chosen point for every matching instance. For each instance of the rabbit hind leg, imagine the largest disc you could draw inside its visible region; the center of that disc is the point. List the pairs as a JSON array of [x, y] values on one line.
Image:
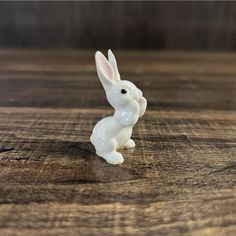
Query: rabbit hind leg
[[113, 157], [109, 152]]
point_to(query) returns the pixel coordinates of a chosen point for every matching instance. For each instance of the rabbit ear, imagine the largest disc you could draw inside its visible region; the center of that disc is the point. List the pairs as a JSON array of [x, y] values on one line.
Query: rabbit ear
[[104, 70], [112, 61]]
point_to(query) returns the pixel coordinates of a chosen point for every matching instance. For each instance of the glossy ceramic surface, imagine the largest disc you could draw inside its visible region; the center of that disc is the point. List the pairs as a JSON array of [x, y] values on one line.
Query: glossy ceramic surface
[[114, 132]]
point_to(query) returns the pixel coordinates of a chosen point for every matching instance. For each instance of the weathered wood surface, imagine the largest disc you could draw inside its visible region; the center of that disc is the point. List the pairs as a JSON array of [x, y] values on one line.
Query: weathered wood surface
[[180, 180], [205, 25]]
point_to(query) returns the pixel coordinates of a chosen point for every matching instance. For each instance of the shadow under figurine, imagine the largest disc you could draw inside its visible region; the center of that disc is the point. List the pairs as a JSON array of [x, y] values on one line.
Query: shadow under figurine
[[115, 131]]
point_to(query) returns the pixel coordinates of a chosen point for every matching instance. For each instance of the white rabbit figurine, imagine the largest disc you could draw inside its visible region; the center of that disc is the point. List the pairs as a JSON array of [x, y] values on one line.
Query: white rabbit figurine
[[115, 131]]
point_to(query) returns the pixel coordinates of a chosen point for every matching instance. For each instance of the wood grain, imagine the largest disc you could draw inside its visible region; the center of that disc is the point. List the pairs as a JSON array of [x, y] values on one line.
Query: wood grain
[[188, 25], [180, 180]]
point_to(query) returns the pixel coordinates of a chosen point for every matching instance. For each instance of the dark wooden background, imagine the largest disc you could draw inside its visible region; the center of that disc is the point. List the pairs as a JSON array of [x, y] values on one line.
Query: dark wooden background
[[126, 25], [180, 180]]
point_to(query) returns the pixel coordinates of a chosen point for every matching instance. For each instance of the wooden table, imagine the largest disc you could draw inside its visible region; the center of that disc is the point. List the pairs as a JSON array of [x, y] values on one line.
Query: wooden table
[[179, 180]]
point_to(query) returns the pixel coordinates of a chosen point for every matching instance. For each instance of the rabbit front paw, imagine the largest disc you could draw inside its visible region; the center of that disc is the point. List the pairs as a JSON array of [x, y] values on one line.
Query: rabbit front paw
[[143, 106], [129, 144], [114, 158]]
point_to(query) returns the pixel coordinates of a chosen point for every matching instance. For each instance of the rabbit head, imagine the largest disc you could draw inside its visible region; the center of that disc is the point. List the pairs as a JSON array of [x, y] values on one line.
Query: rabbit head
[[119, 92]]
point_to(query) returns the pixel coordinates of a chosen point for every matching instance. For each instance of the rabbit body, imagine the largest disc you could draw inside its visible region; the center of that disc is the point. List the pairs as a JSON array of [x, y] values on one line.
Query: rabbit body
[[115, 132], [106, 130]]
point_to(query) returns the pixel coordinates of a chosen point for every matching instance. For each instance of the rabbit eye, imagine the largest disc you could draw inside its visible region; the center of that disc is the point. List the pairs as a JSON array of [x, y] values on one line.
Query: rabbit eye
[[123, 91]]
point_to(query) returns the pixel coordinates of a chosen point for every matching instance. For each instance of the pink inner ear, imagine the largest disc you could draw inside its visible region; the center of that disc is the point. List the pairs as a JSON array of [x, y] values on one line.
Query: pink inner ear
[[104, 66]]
